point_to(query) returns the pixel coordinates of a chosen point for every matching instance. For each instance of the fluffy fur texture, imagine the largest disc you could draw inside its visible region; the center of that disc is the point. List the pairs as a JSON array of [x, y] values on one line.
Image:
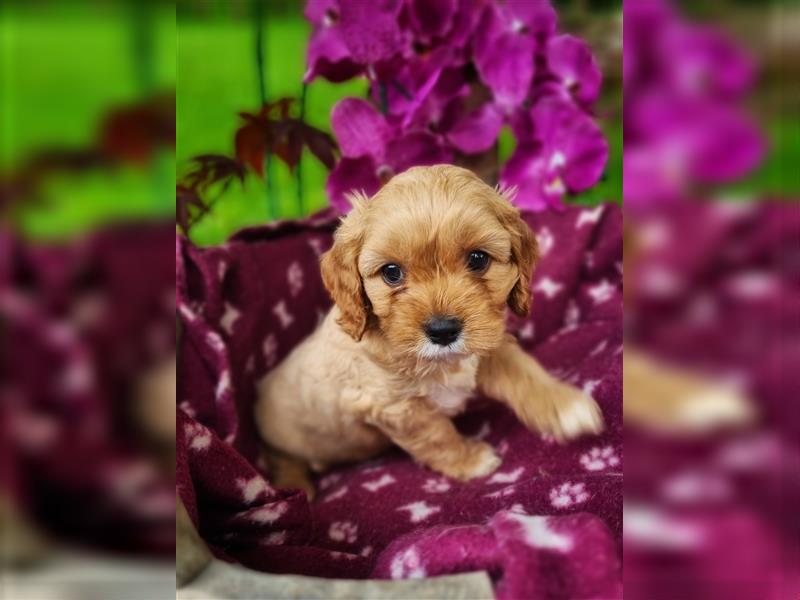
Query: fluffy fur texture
[[369, 376]]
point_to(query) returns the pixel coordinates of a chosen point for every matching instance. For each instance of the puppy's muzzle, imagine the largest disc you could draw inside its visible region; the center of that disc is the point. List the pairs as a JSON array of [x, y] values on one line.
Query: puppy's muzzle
[[443, 331]]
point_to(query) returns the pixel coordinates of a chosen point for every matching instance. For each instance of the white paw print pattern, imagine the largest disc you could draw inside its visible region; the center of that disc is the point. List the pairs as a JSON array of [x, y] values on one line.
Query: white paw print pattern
[[223, 385], [484, 431], [186, 407], [407, 565], [602, 291], [503, 493], [599, 348], [436, 486], [222, 268], [316, 245], [294, 275], [548, 287], [229, 318], [548, 438], [537, 533], [251, 489], [197, 436], [509, 477], [276, 538], [343, 531], [329, 480], [342, 491], [188, 314], [281, 311], [419, 511], [545, 239], [599, 459], [590, 216], [568, 494], [527, 331], [269, 514], [572, 314], [216, 343], [589, 386], [375, 485]]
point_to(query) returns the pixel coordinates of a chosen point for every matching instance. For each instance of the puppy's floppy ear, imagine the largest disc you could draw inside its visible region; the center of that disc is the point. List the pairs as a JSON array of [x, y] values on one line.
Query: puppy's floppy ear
[[524, 251], [340, 274]]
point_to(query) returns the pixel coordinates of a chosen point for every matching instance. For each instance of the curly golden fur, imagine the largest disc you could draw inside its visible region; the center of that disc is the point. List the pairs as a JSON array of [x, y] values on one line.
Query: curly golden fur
[[371, 376]]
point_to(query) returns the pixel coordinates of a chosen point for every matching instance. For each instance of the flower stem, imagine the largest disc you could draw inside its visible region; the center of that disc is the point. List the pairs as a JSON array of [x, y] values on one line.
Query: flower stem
[[401, 88], [384, 97], [299, 170]]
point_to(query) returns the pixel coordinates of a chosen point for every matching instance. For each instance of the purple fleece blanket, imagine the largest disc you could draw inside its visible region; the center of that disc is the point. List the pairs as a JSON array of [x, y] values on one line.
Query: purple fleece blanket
[[547, 524]]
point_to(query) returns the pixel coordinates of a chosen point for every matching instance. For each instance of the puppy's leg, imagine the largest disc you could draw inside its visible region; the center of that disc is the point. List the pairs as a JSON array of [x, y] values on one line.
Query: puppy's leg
[[540, 401], [432, 440], [288, 472]]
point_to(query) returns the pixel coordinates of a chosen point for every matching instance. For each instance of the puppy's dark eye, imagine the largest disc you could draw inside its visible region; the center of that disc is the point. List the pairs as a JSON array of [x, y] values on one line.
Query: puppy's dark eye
[[478, 261], [392, 274]]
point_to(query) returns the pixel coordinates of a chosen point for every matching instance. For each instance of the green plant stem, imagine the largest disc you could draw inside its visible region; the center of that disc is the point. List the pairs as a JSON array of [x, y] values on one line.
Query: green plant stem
[[299, 169], [258, 12]]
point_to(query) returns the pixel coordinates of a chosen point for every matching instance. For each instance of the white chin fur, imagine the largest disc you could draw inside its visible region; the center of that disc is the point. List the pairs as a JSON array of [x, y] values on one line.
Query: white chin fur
[[431, 351]]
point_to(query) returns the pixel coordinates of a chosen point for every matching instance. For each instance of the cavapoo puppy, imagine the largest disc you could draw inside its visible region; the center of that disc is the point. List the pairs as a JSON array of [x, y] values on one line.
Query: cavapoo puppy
[[421, 276]]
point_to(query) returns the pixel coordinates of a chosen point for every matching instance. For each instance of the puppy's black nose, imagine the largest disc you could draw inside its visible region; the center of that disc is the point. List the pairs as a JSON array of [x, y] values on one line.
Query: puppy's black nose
[[443, 330]]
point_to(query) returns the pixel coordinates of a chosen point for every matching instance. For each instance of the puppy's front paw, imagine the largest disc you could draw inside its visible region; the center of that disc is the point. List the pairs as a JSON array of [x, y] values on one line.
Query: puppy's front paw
[[477, 459], [563, 412], [576, 415]]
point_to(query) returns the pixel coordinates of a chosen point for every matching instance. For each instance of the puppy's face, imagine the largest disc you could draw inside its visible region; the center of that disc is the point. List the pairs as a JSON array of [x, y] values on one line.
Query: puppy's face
[[430, 263]]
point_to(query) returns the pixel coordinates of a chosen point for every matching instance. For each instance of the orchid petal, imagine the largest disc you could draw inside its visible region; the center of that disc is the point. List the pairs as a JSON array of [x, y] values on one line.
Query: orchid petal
[[432, 18], [371, 30], [703, 60], [571, 60], [466, 20], [539, 16], [477, 131], [573, 137], [321, 12], [505, 64], [523, 170], [328, 56], [359, 129], [416, 149], [351, 175]]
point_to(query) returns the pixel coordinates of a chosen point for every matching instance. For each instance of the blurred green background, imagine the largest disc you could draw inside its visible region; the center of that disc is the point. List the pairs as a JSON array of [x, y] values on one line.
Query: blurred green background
[[65, 64]]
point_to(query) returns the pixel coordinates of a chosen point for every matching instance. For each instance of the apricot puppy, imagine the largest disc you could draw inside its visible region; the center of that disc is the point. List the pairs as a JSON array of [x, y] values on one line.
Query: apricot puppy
[[421, 275]]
